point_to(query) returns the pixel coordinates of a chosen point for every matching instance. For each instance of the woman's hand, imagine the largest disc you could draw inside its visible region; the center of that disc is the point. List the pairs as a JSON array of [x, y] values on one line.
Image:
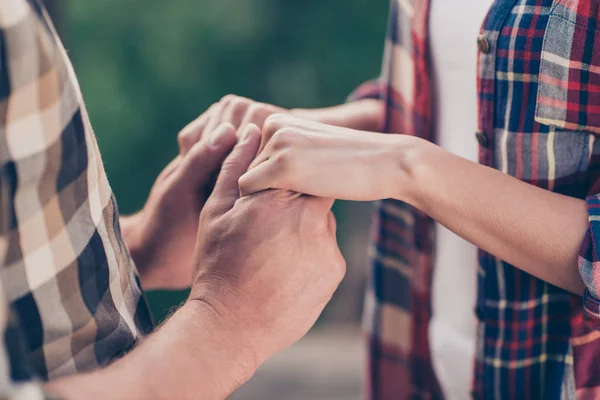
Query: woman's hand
[[162, 237], [328, 161], [240, 112], [235, 110]]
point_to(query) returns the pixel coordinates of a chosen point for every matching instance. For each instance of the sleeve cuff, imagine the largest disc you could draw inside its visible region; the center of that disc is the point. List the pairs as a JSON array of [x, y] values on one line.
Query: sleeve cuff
[[589, 265]]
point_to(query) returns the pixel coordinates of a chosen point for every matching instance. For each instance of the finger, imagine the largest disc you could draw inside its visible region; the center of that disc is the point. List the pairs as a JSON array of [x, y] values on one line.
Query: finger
[[262, 177], [206, 156], [216, 117], [226, 190], [257, 114], [170, 169], [272, 124], [265, 150], [235, 111], [193, 131], [261, 158], [277, 122]]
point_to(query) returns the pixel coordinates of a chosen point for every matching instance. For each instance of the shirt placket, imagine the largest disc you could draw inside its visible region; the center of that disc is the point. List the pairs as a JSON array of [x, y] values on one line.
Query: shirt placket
[[486, 43]]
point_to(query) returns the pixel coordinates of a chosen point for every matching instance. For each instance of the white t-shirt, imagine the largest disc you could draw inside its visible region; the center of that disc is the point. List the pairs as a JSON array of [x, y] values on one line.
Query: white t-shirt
[[454, 27]]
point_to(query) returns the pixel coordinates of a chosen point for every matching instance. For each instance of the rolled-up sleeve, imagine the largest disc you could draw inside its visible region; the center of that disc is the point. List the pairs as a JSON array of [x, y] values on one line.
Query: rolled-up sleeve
[[589, 264], [16, 379]]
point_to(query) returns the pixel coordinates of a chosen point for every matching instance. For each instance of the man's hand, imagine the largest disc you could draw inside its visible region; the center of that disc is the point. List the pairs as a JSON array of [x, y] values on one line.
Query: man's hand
[[162, 236], [266, 266], [232, 109], [269, 262]]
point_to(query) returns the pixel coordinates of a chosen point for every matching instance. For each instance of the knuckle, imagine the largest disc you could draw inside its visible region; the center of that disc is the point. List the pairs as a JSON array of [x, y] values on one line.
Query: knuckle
[[185, 139], [273, 123], [254, 111], [249, 209], [246, 102], [237, 104], [181, 137], [282, 160], [253, 108], [277, 117], [285, 139], [332, 221], [339, 268], [278, 140], [227, 99], [283, 135], [209, 216]]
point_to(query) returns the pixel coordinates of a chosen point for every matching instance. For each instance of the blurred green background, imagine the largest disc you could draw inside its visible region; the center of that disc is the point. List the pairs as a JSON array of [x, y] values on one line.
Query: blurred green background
[[147, 67]]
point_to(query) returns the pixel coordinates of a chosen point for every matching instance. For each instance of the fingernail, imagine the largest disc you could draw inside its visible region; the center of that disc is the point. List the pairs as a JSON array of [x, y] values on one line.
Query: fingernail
[[219, 135]]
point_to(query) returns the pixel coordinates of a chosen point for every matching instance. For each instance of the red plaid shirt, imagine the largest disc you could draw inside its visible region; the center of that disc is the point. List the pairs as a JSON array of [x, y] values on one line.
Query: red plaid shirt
[[539, 110]]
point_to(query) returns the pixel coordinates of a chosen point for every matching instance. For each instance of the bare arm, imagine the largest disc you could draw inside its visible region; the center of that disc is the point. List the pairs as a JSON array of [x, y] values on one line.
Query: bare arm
[[196, 354], [536, 230], [362, 115]]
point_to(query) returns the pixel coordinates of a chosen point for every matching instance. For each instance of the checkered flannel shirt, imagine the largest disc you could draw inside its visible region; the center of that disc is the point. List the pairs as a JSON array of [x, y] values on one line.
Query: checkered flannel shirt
[[70, 299], [539, 113]]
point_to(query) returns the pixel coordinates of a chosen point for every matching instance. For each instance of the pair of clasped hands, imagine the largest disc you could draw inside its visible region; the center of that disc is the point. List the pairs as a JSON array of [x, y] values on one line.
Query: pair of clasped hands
[[261, 256]]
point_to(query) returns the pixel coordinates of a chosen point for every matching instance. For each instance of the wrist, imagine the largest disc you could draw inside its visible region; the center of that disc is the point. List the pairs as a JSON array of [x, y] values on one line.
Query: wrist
[[197, 354], [408, 159], [363, 115], [234, 345], [313, 114]]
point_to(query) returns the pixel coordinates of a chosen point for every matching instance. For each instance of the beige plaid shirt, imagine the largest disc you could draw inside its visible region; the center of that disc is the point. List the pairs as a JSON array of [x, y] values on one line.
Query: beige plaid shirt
[[70, 299]]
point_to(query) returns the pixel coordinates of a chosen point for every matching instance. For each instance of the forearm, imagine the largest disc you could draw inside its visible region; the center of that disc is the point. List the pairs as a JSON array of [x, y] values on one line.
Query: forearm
[[195, 355], [536, 230], [364, 115]]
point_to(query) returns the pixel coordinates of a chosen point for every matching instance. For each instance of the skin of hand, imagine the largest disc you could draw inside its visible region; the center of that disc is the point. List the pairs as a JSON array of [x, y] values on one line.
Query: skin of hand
[[311, 157], [265, 267], [536, 230], [161, 237], [271, 293], [239, 111], [235, 110]]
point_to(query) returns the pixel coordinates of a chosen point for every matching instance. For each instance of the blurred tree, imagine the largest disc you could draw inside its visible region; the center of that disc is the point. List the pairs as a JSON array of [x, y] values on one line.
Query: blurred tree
[[147, 67]]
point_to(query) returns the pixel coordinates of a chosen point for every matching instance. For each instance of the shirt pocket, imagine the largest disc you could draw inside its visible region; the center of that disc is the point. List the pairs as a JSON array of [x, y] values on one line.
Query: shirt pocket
[[568, 95]]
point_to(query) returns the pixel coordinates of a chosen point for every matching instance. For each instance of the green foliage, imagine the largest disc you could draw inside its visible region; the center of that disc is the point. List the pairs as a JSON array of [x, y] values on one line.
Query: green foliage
[[147, 67]]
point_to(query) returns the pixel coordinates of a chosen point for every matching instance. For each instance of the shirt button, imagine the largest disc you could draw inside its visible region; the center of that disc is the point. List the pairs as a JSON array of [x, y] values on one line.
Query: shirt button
[[483, 139], [483, 44]]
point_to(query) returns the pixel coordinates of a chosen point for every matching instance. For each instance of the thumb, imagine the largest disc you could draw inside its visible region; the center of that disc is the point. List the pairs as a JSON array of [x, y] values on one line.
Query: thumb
[[226, 190]]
